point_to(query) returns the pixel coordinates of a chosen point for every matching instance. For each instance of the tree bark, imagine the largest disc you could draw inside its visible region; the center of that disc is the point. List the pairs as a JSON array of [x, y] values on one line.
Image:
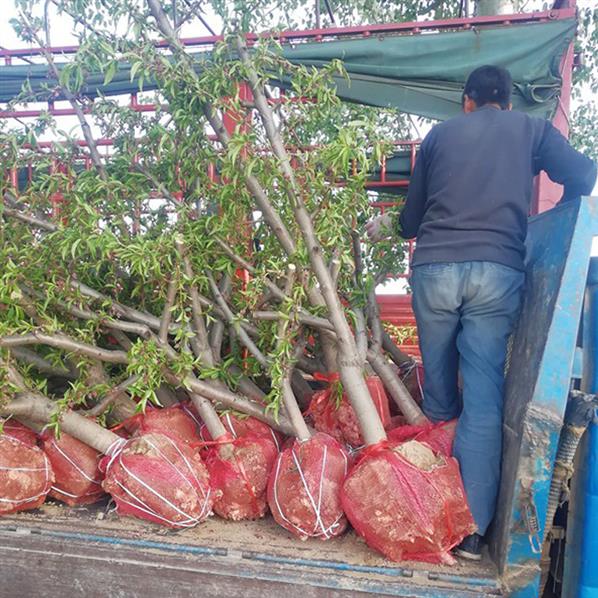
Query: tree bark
[[404, 401], [36, 407], [63, 342], [350, 366]]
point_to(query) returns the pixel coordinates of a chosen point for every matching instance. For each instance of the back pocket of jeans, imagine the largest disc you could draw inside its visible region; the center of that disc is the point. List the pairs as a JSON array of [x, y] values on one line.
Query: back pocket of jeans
[[435, 269]]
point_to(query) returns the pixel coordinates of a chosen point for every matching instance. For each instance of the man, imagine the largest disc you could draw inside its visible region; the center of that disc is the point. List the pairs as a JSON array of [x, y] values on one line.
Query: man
[[467, 204]]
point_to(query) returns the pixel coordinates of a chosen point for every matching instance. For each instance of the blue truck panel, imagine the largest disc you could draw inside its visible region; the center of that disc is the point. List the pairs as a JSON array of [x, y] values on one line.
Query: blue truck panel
[[538, 382], [580, 576]]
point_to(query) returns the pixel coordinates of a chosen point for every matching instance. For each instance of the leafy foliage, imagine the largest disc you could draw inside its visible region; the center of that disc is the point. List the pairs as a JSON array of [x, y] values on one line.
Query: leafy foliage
[[102, 264]]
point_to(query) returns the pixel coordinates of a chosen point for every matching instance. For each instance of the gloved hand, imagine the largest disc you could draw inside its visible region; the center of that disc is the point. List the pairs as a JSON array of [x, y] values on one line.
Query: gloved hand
[[381, 227]]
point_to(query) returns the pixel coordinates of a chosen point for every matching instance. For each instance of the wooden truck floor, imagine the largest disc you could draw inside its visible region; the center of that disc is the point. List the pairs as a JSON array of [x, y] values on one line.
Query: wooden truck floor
[[66, 552]]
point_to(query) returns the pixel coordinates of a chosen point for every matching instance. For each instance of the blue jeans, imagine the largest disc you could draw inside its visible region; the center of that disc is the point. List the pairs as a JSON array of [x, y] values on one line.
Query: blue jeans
[[465, 313]]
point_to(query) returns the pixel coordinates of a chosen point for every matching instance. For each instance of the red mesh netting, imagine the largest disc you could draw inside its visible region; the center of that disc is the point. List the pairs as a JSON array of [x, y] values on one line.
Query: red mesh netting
[[176, 421], [239, 470], [158, 478], [25, 475], [407, 502], [304, 488], [395, 422], [340, 421], [439, 437], [130, 426], [242, 426], [78, 480], [17, 430]]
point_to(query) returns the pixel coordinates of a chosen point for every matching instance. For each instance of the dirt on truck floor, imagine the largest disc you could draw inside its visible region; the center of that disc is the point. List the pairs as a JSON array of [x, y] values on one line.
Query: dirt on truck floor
[[259, 537]]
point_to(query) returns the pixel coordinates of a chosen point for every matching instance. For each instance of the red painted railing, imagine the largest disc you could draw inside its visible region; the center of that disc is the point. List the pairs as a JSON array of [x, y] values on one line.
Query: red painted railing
[[21, 55], [330, 33]]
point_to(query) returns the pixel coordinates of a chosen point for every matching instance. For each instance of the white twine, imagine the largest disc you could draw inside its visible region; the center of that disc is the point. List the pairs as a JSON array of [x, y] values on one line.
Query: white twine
[[275, 439], [73, 464], [139, 505], [46, 469], [192, 415], [235, 435], [414, 366], [189, 520], [353, 450], [230, 425], [419, 384], [114, 450], [325, 531], [58, 490], [76, 496]]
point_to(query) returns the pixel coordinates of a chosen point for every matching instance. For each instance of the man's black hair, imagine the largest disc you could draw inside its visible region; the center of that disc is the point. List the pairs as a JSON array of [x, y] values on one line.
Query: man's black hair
[[489, 85]]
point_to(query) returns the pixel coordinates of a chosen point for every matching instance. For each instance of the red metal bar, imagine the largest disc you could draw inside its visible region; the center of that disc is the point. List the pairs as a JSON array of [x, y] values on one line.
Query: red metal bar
[[34, 113], [384, 204], [377, 184], [101, 142], [547, 193], [335, 32], [383, 170], [231, 118]]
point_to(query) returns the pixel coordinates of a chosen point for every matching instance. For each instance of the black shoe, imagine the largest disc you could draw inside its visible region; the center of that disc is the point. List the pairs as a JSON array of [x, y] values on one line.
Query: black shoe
[[470, 548]]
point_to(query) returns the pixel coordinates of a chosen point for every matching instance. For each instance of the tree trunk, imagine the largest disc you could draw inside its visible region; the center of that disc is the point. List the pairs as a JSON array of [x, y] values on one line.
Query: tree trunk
[[496, 7], [34, 406]]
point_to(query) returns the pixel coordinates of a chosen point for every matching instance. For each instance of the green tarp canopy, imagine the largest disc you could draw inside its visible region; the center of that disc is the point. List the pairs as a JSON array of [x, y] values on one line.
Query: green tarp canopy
[[421, 74]]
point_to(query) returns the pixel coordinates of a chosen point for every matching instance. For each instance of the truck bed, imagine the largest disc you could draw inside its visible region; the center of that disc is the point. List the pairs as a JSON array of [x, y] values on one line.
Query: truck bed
[[61, 551]]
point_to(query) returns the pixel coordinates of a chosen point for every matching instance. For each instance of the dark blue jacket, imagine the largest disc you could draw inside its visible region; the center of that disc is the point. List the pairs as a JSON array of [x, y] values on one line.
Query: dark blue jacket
[[470, 193]]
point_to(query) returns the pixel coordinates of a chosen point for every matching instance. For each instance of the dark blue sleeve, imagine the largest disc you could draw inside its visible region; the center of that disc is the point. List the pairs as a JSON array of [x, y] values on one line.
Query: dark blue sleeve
[[564, 165], [417, 196]]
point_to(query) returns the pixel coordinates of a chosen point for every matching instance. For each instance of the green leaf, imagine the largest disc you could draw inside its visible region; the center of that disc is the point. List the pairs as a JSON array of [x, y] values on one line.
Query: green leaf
[[110, 72]]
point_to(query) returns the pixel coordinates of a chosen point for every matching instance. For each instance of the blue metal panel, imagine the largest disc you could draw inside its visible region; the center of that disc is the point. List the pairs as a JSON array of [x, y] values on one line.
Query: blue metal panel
[[306, 573], [580, 577], [588, 548], [538, 381], [590, 332]]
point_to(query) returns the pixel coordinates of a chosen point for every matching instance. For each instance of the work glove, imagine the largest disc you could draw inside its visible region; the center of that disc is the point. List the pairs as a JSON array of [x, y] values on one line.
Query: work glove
[[381, 227]]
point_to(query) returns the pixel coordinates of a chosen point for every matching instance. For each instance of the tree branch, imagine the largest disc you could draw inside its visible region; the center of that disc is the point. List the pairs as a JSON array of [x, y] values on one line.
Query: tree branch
[[351, 368], [40, 364], [305, 319], [65, 343], [85, 314], [230, 318], [201, 341], [288, 396], [167, 311], [397, 390], [361, 333], [270, 215], [111, 396], [216, 335], [398, 356], [35, 406], [31, 220], [85, 128]]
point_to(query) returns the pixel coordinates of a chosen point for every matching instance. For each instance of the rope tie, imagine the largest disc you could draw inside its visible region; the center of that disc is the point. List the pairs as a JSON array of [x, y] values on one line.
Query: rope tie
[[115, 452], [316, 504]]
